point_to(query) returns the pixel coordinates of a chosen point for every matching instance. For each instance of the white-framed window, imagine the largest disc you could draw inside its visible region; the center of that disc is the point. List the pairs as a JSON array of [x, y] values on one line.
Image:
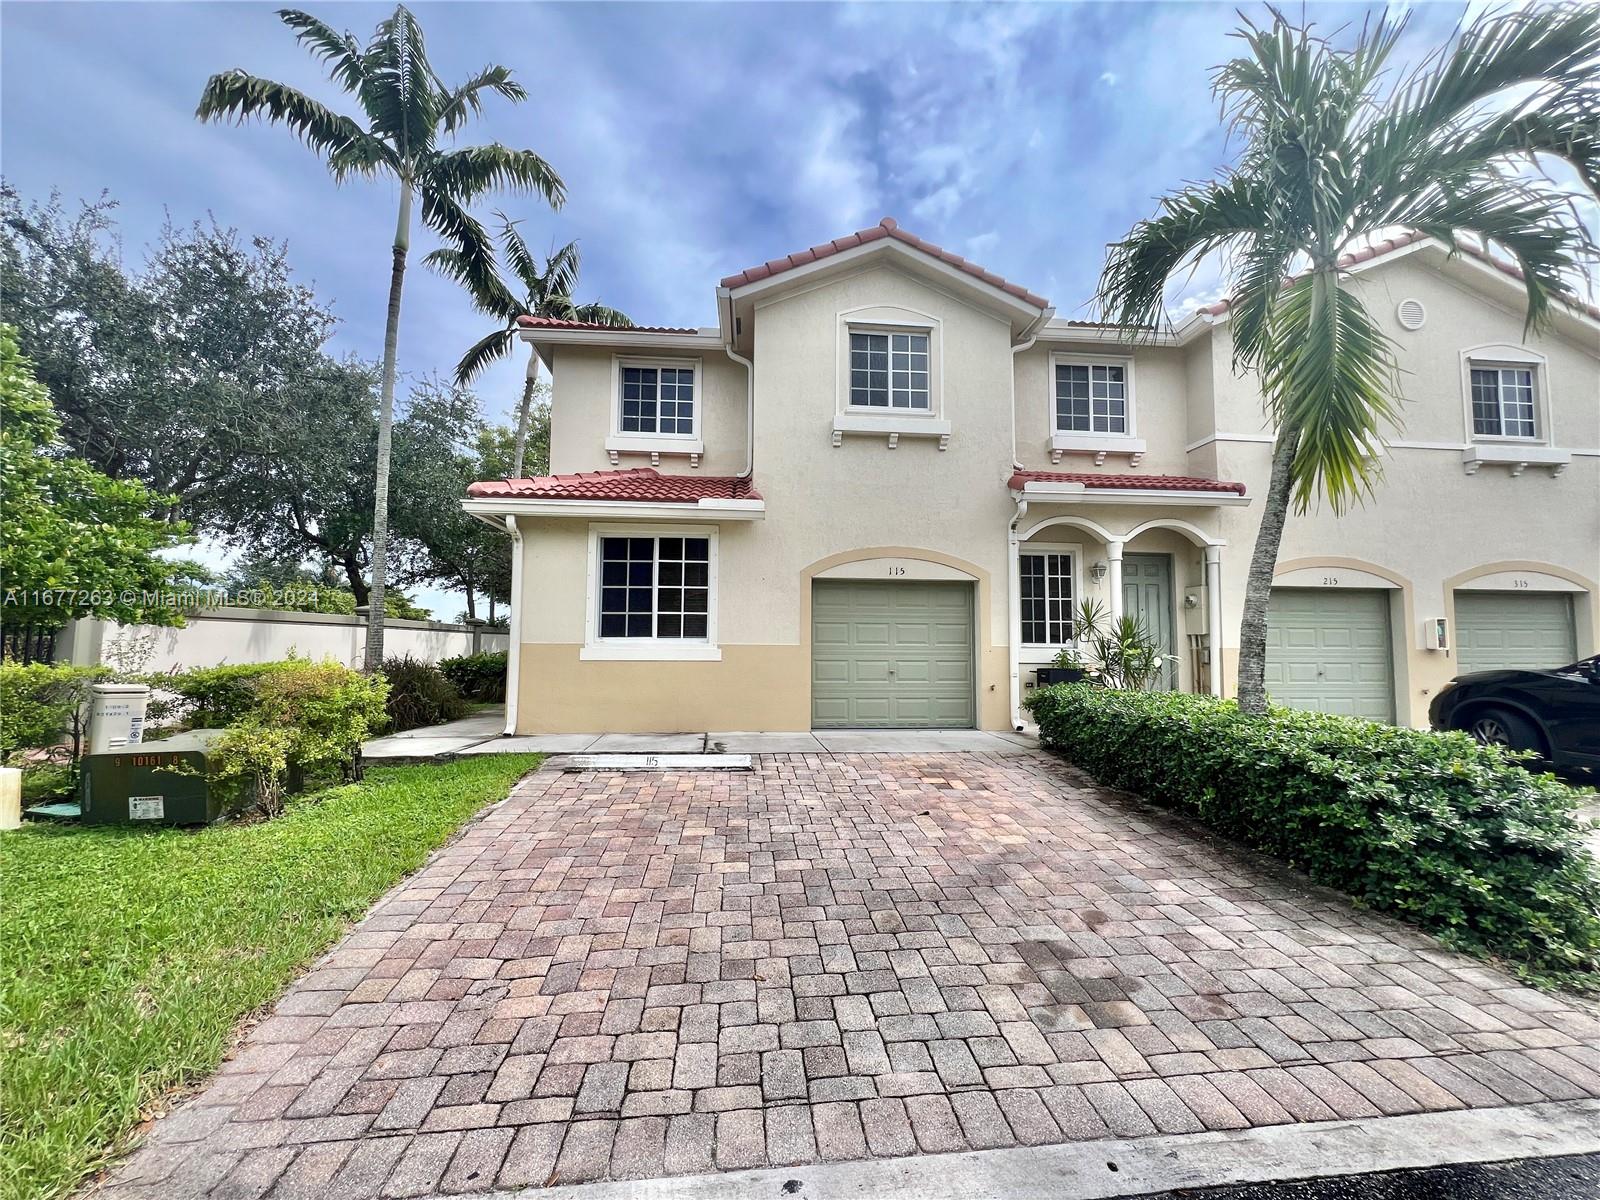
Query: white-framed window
[[890, 370], [652, 592], [1046, 592], [1092, 396], [657, 398], [1504, 400]]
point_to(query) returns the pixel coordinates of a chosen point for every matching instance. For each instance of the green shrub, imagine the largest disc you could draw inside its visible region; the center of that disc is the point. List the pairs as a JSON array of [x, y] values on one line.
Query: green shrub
[[214, 697], [41, 705], [420, 695], [1456, 837], [479, 676], [328, 709]]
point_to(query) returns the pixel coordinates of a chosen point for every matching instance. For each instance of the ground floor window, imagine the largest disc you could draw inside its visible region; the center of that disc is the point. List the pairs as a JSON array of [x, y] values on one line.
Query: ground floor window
[[655, 588], [1046, 598]]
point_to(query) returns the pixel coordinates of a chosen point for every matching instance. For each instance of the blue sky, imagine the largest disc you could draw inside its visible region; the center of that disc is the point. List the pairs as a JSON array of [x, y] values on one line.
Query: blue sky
[[695, 139]]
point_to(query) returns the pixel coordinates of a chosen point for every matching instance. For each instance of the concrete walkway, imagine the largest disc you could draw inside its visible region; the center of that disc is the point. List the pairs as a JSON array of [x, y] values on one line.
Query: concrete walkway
[[481, 734], [837, 958]]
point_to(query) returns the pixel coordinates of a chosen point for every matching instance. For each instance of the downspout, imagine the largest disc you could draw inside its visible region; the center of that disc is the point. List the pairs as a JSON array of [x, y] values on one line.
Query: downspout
[[1014, 618], [1013, 552], [514, 627], [749, 390]]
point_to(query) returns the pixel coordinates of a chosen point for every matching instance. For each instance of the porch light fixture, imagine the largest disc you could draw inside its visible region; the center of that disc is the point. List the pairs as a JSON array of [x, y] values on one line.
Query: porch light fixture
[[1097, 572]]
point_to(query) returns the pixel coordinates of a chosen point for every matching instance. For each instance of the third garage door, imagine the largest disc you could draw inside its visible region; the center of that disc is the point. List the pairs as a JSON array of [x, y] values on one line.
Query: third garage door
[[1328, 649], [892, 655], [1499, 630]]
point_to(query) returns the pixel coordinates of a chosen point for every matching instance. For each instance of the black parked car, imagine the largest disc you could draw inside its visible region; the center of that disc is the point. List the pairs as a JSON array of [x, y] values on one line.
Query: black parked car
[[1555, 713]]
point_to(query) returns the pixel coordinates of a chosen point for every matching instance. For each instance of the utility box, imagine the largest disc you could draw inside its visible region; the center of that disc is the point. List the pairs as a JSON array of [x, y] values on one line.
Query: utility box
[[116, 716], [158, 783]]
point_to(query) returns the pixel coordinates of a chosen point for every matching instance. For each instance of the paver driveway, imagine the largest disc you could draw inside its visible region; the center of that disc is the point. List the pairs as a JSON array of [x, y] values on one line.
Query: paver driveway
[[838, 957]]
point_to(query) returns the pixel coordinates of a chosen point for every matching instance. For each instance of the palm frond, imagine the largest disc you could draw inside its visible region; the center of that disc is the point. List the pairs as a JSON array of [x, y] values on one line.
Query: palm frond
[[239, 96], [489, 296], [1192, 222], [520, 259], [472, 263], [485, 352], [467, 100], [467, 173], [561, 270], [1331, 377], [401, 94], [599, 314], [340, 53]]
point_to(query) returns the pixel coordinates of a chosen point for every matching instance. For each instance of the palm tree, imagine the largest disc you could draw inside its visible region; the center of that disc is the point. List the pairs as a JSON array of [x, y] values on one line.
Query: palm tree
[[407, 114], [1334, 157], [546, 292]]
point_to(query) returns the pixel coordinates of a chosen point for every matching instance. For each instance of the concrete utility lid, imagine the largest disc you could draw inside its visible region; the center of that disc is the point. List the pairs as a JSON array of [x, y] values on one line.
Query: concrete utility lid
[[654, 762]]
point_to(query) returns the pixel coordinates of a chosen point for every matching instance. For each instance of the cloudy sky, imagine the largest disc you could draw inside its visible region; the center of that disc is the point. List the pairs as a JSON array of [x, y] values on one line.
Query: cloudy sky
[[694, 139]]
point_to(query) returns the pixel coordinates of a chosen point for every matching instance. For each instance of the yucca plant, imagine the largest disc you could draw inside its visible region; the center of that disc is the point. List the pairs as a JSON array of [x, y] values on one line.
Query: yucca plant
[[546, 292], [408, 115], [1335, 156]]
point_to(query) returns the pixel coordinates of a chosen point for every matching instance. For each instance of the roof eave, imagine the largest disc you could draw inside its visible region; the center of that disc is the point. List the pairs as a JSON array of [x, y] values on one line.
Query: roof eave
[[703, 509], [1077, 493]]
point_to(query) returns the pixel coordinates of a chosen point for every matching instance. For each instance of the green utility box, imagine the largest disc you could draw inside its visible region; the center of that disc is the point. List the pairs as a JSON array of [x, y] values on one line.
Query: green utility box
[[158, 783]]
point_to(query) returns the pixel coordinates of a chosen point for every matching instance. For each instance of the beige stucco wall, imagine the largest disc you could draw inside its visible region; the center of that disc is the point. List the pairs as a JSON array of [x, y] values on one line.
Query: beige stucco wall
[[585, 414], [1428, 526]]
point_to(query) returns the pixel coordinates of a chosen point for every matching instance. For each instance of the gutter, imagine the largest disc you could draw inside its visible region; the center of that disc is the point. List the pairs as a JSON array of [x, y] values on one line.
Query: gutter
[[729, 328]]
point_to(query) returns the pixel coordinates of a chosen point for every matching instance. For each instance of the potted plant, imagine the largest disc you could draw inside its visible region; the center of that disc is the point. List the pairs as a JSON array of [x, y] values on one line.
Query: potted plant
[[1069, 665], [1120, 653]]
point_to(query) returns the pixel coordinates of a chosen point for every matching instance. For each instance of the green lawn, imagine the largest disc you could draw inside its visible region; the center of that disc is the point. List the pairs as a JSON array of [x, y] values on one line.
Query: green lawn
[[130, 955]]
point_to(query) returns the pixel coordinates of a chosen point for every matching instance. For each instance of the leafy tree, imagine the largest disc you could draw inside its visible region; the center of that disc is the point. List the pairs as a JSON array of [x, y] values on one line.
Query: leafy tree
[[407, 114], [1333, 157], [442, 446], [183, 373], [74, 542], [546, 292]]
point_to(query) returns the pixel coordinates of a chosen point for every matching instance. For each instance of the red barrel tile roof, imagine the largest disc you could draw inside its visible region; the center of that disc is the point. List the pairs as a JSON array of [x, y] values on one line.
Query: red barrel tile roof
[[531, 322], [1154, 483], [886, 228], [643, 485]]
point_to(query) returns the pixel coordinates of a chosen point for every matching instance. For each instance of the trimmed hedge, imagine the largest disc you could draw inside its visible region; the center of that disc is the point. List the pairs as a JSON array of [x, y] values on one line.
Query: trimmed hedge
[[480, 676], [1455, 837]]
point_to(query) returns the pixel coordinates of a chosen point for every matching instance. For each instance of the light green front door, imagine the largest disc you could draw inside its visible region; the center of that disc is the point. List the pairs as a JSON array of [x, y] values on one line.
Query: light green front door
[[1147, 596], [892, 655], [1503, 630], [1328, 649]]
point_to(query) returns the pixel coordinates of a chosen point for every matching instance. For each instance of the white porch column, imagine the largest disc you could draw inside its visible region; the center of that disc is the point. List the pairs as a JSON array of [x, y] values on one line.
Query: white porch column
[[1114, 579], [1214, 616]]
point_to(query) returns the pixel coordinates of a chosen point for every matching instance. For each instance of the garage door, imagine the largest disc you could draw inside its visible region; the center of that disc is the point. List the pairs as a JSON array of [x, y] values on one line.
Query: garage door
[[891, 655], [1328, 649], [1496, 630]]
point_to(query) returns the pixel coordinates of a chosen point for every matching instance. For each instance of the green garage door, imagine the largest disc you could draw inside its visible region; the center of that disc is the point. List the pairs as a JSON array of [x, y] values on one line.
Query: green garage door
[[1328, 649], [1496, 630], [891, 655]]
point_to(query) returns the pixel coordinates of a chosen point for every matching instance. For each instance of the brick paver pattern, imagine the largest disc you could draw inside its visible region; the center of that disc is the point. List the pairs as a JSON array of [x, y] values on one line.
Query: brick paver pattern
[[636, 975]]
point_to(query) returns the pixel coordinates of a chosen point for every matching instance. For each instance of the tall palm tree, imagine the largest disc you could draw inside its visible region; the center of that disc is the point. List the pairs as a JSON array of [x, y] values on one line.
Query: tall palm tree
[[1333, 157], [407, 115], [546, 292]]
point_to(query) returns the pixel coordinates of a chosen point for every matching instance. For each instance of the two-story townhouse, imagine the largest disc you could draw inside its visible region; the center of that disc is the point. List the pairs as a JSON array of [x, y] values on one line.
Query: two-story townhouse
[[871, 494]]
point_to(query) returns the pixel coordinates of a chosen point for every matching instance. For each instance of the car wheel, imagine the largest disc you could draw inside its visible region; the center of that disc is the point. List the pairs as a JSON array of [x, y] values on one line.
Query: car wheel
[[1498, 727]]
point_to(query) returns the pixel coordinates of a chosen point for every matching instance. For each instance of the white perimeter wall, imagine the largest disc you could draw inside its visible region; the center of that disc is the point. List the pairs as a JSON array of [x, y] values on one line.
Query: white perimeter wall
[[250, 635]]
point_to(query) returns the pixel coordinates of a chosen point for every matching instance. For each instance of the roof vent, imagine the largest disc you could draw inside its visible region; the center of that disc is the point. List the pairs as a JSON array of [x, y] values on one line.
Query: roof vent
[[1411, 314]]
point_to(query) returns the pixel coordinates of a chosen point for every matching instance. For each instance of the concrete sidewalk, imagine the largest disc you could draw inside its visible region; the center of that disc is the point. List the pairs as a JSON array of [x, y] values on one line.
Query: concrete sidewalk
[[481, 734]]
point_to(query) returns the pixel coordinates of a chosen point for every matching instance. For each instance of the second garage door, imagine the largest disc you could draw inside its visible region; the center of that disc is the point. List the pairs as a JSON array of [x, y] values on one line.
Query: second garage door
[[1501, 630], [1328, 649], [892, 655]]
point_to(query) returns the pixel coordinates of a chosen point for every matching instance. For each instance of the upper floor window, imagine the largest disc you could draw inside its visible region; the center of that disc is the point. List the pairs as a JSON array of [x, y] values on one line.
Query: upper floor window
[[1091, 397], [657, 399], [1503, 401], [889, 370]]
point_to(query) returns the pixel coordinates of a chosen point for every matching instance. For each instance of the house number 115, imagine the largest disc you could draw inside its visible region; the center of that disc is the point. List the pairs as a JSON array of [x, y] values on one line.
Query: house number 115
[[897, 570]]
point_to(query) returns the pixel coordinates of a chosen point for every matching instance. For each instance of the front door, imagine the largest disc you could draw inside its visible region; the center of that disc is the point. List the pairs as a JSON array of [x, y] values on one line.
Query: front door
[[1147, 596]]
